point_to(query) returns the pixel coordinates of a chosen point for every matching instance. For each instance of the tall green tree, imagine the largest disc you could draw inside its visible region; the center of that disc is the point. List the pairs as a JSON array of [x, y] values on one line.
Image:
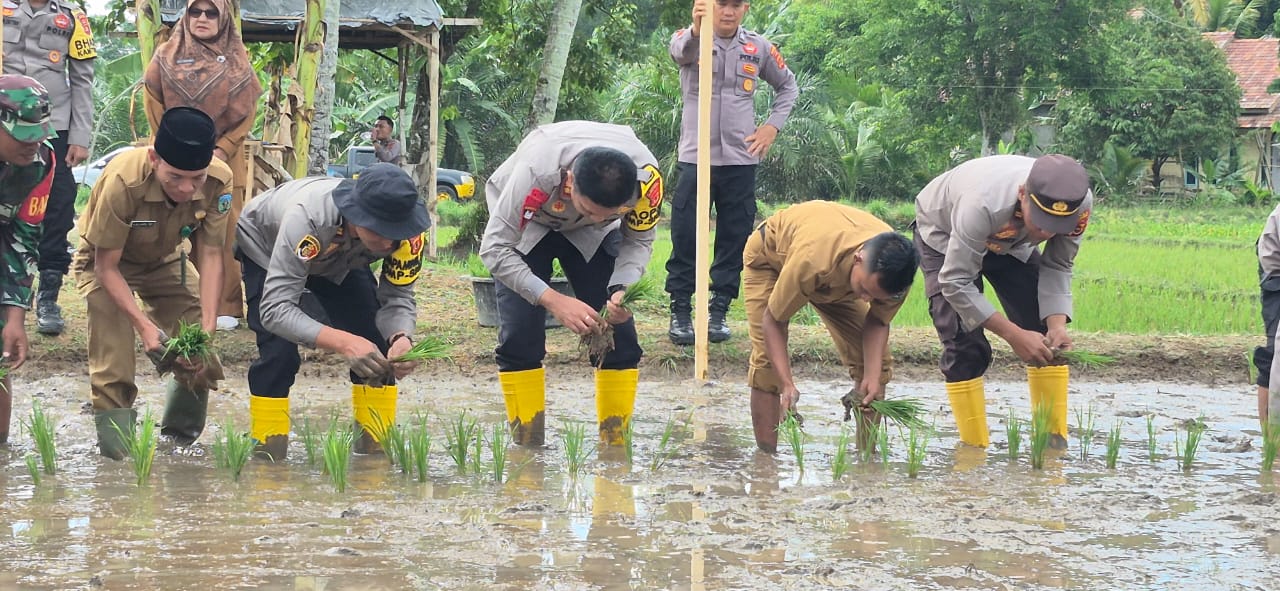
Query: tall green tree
[[1165, 91], [555, 55], [1237, 16]]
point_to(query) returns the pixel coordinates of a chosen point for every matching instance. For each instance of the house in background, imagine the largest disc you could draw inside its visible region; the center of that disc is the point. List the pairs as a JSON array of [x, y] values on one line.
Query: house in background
[[1256, 63]]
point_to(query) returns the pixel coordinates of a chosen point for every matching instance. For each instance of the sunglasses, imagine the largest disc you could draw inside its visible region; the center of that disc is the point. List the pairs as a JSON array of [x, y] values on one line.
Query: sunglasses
[[211, 13]]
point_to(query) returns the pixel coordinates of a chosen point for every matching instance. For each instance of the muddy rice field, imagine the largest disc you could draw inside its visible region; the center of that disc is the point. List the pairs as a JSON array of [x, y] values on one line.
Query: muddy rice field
[[715, 514]]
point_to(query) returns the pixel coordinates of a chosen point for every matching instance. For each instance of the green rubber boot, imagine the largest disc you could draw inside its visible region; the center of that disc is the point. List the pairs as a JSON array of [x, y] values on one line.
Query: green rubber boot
[[184, 413], [111, 442]]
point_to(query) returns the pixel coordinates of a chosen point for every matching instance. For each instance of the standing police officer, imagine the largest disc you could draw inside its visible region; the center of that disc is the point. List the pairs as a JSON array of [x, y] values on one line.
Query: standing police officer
[[51, 42], [741, 60]]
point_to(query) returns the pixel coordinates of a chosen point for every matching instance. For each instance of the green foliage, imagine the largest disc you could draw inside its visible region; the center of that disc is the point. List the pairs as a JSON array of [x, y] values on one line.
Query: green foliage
[[906, 412], [1270, 444], [1226, 15], [42, 432], [33, 468], [841, 461], [191, 343], [419, 440], [790, 432], [1040, 425], [917, 440], [1113, 446], [140, 443], [1087, 426], [666, 446], [427, 349], [1188, 447], [1117, 174], [337, 453], [1013, 430], [1151, 437], [461, 430], [573, 436], [232, 448]]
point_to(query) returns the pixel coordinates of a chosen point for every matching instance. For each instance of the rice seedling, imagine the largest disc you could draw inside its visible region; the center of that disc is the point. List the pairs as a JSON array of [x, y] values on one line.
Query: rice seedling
[[4, 373], [311, 443], [666, 446], [1086, 423], [41, 428], [33, 468], [337, 453], [141, 445], [1151, 437], [1113, 446], [391, 437], [791, 433], [498, 450], [906, 412], [629, 441], [841, 462], [191, 343], [458, 437], [917, 448], [419, 439], [476, 267], [882, 444], [600, 343], [1013, 430], [1189, 446], [1270, 444], [232, 448], [1084, 359], [427, 349], [574, 437], [1039, 434], [869, 438], [477, 447]]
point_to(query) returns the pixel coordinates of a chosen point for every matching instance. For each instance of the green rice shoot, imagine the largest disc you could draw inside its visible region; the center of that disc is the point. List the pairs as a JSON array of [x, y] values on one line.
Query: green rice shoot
[[1151, 437], [576, 452], [1087, 426], [1084, 359], [841, 462], [498, 441], [337, 453], [4, 373], [882, 444], [1190, 445], [419, 442], [917, 440], [792, 434], [232, 448], [868, 439], [192, 343], [1013, 431], [476, 267], [458, 435], [1040, 426], [391, 437], [427, 349], [1113, 446], [906, 412], [140, 443], [1270, 444], [599, 343], [311, 441], [477, 447], [42, 432], [666, 446], [33, 468], [629, 441]]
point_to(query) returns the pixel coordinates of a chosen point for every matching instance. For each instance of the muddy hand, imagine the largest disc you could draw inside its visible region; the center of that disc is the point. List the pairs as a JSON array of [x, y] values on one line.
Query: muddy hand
[[157, 354], [369, 365]]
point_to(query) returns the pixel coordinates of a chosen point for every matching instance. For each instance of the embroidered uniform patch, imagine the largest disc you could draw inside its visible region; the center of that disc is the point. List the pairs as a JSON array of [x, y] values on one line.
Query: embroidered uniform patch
[[1081, 225], [82, 47], [224, 203], [308, 248], [532, 203], [649, 207], [404, 265]]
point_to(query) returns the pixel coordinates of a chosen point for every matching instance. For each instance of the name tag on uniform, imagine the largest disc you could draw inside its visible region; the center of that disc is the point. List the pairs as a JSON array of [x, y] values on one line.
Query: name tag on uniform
[[142, 224]]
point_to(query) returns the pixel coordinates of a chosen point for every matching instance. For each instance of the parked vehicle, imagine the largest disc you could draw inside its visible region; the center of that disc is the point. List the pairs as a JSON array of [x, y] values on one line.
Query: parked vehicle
[[455, 185], [87, 174]]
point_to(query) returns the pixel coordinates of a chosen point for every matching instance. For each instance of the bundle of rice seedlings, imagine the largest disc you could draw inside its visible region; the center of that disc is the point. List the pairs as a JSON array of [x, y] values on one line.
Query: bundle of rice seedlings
[[477, 446], [1039, 434], [1189, 447], [1013, 429], [790, 432], [600, 343], [1270, 444], [666, 446], [1113, 446], [192, 343], [33, 468], [419, 439], [311, 443], [841, 462], [41, 429], [917, 448], [1085, 422], [906, 412], [337, 453], [498, 450], [458, 438], [232, 448], [576, 451], [427, 349], [882, 444], [141, 445], [1082, 359]]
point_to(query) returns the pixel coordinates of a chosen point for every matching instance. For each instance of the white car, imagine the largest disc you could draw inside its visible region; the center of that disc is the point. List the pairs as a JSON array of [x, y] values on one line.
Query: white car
[[87, 174]]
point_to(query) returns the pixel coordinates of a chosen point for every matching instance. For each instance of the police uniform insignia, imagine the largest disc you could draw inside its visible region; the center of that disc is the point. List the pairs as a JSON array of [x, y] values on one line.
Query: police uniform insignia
[[777, 57], [749, 48], [748, 84], [749, 69], [1059, 206], [1081, 225], [649, 207], [558, 206], [308, 248], [224, 203], [62, 21], [8, 11], [54, 56], [1006, 232], [82, 47], [993, 247], [532, 203], [405, 263]]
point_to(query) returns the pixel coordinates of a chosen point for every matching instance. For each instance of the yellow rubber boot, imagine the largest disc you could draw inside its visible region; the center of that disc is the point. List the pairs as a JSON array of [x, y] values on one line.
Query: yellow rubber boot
[[969, 404], [375, 411], [1048, 385], [525, 396], [615, 400], [269, 427]]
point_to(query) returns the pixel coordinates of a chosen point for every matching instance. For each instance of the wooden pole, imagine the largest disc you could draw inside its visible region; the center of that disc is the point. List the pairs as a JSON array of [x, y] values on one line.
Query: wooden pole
[[307, 57], [702, 262], [433, 143]]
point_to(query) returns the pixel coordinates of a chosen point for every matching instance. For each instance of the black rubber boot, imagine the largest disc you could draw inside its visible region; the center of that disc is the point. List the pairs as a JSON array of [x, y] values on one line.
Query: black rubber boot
[[185, 410], [681, 331], [48, 313], [275, 448], [111, 442], [717, 328]]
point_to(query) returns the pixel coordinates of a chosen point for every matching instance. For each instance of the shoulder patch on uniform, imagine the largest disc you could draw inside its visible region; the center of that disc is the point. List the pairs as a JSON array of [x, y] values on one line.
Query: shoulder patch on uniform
[[749, 48], [532, 203], [649, 207], [308, 248], [777, 57], [404, 265], [224, 203], [1081, 225], [82, 47]]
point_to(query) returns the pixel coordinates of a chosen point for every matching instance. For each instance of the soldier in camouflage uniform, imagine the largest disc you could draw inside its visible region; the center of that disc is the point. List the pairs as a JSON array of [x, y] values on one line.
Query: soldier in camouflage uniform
[[26, 173]]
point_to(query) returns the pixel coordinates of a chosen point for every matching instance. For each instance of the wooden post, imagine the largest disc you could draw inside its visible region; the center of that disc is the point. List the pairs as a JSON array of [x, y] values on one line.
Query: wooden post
[[402, 66], [433, 144], [307, 57], [702, 262], [149, 25]]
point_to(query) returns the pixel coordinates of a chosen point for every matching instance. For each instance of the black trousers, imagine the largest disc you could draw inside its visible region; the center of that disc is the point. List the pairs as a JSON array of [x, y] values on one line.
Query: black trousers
[[967, 354], [522, 336], [1262, 356], [60, 215], [351, 306], [733, 195]]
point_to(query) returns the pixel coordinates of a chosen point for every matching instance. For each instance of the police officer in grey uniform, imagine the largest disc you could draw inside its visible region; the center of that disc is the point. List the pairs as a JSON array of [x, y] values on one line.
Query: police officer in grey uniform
[[51, 41], [321, 234], [741, 60]]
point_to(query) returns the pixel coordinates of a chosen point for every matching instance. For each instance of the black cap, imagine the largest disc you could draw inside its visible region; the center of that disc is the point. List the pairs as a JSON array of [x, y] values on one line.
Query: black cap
[[1057, 186], [385, 200], [185, 138]]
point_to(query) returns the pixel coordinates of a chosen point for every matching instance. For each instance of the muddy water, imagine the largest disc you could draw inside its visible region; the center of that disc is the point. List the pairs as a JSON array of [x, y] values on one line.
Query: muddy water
[[717, 515]]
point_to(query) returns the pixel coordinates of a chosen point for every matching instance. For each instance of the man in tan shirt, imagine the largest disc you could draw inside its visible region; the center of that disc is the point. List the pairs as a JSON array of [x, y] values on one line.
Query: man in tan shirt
[[852, 268], [146, 202]]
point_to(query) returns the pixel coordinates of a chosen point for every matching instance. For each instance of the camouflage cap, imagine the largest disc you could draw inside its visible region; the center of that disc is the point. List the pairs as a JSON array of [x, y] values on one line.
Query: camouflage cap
[[24, 109]]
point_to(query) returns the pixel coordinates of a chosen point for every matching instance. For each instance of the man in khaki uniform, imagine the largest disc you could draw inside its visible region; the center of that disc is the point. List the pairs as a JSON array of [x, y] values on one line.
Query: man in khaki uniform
[[146, 202], [852, 268]]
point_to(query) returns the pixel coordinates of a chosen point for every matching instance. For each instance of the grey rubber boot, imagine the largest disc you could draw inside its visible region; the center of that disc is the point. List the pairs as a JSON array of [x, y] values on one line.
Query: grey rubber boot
[[275, 448], [111, 443], [48, 312], [184, 413]]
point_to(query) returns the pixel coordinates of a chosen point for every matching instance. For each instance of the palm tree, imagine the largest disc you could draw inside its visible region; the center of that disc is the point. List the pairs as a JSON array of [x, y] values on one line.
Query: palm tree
[[1226, 15]]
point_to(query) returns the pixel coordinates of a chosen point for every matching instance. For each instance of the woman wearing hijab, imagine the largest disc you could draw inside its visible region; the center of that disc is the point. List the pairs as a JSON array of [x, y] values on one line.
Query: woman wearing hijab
[[204, 65]]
